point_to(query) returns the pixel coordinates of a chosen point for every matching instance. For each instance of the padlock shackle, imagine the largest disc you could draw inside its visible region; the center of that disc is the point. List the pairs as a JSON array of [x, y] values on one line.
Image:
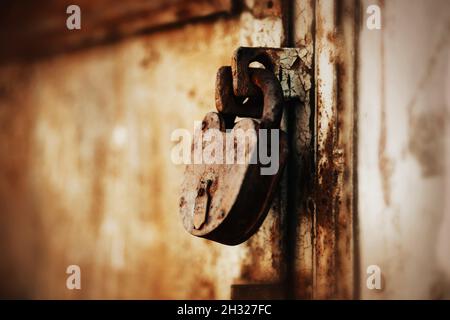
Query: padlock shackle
[[268, 83], [228, 104], [271, 98]]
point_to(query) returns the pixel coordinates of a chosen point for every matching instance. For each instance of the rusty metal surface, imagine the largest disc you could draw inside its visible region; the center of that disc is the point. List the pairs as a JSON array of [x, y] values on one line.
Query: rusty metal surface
[[322, 168], [34, 29], [333, 196], [227, 203], [301, 164]]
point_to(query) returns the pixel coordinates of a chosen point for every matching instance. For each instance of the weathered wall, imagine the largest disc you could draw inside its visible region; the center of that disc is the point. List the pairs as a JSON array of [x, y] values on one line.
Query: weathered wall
[[86, 171], [86, 176], [403, 135]]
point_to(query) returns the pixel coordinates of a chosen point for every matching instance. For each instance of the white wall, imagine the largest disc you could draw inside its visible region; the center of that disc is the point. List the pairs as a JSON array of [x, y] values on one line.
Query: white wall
[[402, 159]]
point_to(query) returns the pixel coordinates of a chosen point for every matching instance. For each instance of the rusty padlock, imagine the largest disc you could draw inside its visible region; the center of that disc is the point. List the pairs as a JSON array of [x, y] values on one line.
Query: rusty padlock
[[227, 202]]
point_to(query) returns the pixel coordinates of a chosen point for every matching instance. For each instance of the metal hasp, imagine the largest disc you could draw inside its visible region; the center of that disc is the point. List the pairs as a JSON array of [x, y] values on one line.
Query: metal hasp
[[285, 63], [227, 202]]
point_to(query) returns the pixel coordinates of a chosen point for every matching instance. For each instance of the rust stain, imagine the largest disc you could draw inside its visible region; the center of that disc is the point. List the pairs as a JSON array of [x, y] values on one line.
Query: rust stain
[[326, 195], [385, 164], [151, 58], [426, 141], [266, 8], [333, 190]]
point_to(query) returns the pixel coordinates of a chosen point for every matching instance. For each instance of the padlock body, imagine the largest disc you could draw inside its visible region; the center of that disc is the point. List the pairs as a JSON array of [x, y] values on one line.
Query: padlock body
[[227, 202]]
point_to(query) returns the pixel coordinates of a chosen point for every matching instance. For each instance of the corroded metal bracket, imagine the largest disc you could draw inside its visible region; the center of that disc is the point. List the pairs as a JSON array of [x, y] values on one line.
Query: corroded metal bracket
[[285, 63]]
